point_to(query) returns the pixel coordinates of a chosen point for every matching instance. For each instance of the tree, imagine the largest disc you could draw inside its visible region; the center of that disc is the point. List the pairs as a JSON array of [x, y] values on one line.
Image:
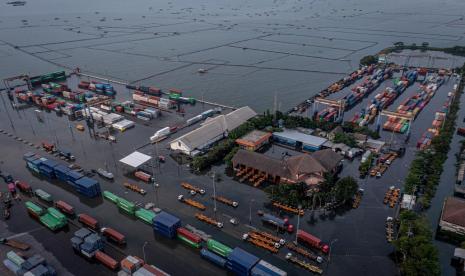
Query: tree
[[345, 189], [368, 60]]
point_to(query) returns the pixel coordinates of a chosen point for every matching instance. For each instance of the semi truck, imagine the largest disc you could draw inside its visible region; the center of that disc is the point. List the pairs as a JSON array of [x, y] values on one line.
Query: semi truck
[[282, 224], [113, 235], [312, 241]]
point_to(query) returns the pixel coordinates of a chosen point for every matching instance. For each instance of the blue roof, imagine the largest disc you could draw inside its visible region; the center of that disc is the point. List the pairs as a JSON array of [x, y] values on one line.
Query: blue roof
[[243, 258], [62, 169], [86, 182]]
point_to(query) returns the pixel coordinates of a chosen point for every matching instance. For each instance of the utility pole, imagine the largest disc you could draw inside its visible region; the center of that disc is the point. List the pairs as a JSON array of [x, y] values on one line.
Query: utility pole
[[298, 223], [143, 250], [214, 194], [250, 211]]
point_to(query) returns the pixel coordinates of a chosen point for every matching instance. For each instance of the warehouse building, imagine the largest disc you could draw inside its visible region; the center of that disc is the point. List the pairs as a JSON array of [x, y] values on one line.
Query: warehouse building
[[298, 140], [453, 216], [211, 131], [308, 168], [254, 140]]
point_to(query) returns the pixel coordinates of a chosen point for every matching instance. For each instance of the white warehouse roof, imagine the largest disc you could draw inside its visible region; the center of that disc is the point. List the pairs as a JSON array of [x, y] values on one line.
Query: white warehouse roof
[[135, 159], [212, 129]]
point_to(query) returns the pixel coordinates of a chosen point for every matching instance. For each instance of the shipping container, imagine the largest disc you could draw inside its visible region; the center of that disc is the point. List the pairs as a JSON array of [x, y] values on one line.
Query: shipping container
[[64, 207], [241, 262], [149, 270], [312, 241], [213, 258], [110, 196], [188, 235], [106, 260], [146, 216], [166, 224], [88, 221], [41, 194], [218, 248], [113, 235], [143, 176], [263, 268]]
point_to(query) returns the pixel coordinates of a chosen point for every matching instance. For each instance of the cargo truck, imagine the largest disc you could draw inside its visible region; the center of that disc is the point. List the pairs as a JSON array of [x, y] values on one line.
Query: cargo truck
[[282, 224], [64, 207], [106, 260], [24, 187], [113, 235], [88, 221], [144, 176], [312, 241]]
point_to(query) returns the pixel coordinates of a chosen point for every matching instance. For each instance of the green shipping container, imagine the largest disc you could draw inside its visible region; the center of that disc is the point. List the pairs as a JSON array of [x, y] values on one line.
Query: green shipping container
[[50, 222], [189, 242], [145, 215], [110, 196], [34, 208], [12, 256], [43, 195], [127, 204], [56, 214], [218, 248], [126, 209]]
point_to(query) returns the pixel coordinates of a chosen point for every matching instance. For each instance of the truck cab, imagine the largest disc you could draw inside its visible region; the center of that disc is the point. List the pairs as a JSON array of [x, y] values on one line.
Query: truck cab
[[66, 154]]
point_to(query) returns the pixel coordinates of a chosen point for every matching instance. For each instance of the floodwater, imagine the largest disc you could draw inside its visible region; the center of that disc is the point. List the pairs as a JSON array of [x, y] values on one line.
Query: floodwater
[[253, 50]]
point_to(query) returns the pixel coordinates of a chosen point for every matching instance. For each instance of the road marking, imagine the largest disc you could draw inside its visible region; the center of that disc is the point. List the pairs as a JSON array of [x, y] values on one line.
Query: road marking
[[25, 233]]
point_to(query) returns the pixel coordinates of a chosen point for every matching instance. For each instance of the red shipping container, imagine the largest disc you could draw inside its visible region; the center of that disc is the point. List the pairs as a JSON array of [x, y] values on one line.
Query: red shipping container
[[64, 207], [114, 235], [106, 260], [143, 176], [189, 235], [23, 186], [88, 221]]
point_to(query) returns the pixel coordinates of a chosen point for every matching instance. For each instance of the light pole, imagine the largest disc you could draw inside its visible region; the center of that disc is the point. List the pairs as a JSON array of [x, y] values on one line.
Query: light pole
[[214, 194], [250, 211], [143, 250], [155, 187], [331, 249], [298, 223]]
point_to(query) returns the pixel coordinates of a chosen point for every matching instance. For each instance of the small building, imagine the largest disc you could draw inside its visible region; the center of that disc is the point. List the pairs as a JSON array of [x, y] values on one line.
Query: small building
[[307, 168], [408, 201], [299, 141], [211, 131], [374, 145], [332, 134], [453, 216], [254, 140]]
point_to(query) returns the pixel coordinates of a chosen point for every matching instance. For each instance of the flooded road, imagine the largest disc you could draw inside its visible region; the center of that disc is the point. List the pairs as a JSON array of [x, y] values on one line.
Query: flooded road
[[251, 51]]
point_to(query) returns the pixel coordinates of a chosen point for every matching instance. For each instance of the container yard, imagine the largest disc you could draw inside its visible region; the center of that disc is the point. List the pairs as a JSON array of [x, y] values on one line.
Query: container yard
[[149, 210]]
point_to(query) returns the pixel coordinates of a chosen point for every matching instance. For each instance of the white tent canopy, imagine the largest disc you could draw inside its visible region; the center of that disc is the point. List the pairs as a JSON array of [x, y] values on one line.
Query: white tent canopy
[[135, 159]]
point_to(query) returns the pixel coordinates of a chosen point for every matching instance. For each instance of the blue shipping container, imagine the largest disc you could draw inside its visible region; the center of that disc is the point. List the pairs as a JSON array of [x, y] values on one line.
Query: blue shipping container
[[212, 257], [266, 269], [241, 262]]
